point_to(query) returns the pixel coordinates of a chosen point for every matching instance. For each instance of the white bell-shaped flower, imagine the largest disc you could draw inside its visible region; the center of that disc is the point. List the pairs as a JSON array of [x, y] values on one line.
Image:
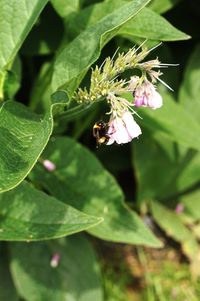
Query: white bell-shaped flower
[[123, 129]]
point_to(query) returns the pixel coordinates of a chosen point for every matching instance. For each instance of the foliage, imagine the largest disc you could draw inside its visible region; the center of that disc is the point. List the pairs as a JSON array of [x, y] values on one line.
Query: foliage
[[54, 182]]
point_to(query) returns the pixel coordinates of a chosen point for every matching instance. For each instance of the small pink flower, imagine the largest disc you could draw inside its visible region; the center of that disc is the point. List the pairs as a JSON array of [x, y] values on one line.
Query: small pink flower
[[123, 129], [50, 166], [55, 260], [147, 96], [179, 208]]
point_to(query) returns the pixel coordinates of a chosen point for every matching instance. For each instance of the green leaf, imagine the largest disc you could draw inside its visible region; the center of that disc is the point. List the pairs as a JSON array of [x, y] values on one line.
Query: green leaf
[[90, 15], [7, 289], [174, 122], [147, 24], [65, 7], [161, 6], [189, 176], [189, 95], [16, 20], [76, 58], [28, 214], [171, 223], [173, 172], [23, 136], [75, 278], [151, 158], [81, 181]]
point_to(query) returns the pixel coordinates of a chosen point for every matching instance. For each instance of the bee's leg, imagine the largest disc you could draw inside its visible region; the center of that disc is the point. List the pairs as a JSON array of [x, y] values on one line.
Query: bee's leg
[[97, 140]]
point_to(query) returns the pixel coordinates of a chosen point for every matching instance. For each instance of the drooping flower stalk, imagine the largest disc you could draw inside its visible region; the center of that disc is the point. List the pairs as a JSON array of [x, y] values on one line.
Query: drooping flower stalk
[[105, 84]]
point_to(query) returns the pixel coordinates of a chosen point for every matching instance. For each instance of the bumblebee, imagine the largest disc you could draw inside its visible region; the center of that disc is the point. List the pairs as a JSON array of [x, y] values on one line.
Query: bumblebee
[[100, 132]]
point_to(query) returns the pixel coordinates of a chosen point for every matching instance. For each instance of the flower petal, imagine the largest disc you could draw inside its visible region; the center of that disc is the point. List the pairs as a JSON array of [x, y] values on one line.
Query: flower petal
[[131, 125]]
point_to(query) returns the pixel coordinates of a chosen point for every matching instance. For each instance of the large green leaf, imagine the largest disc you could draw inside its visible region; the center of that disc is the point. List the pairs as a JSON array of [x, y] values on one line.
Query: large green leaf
[[75, 59], [16, 19], [172, 172], [157, 168], [29, 214], [75, 278], [189, 97], [90, 15], [81, 181], [147, 24], [23, 136]]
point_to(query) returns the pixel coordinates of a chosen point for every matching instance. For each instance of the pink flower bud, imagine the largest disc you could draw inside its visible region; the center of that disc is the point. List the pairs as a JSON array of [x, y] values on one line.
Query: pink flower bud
[[147, 96], [55, 260], [123, 129], [179, 208], [50, 166]]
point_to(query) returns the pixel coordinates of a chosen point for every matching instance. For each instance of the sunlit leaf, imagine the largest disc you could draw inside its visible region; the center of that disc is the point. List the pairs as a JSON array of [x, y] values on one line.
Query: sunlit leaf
[[16, 20], [147, 24], [81, 181], [29, 214], [23, 136]]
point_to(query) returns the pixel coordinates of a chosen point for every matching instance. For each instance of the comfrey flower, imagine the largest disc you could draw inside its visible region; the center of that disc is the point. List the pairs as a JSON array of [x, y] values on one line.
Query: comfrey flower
[[121, 126], [146, 95], [122, 129]]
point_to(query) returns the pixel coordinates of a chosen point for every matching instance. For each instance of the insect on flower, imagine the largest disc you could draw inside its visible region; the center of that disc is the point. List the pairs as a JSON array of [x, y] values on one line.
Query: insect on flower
[[100, 132]]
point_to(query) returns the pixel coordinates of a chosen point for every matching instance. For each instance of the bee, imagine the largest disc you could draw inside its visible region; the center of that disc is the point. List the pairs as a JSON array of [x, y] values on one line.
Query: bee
[[100, 132]]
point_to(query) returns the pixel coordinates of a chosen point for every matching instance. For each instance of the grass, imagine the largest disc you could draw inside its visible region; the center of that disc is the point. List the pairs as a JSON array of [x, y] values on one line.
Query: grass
[[146, 278]]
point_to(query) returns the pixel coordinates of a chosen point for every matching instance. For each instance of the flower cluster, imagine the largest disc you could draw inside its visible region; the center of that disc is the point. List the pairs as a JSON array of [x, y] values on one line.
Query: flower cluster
[[105, 84]]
